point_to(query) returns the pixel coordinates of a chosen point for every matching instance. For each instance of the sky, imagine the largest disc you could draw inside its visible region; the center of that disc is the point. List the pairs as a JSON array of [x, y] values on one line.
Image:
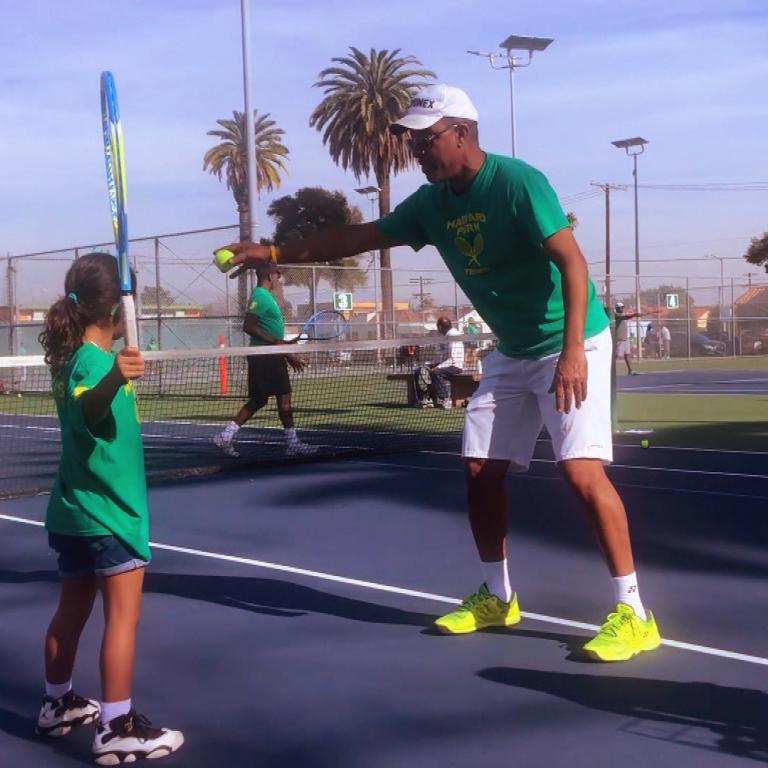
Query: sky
[[689, 76]]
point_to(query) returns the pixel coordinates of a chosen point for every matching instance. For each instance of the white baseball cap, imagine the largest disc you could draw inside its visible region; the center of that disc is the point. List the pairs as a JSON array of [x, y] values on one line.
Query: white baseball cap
[[432, 104]]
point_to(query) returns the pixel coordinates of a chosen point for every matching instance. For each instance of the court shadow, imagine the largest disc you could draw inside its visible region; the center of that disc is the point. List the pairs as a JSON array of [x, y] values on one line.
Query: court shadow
[[27, 577], [273, 597], [701, 715], [270, 597], [571, 644]]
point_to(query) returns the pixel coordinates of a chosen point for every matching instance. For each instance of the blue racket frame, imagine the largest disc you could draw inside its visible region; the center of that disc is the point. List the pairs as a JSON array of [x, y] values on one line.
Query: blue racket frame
[[325, 325], [114, 160]]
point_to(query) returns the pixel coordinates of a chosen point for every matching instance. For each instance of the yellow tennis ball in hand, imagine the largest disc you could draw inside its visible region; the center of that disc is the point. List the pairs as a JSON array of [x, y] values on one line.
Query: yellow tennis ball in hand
[[222, 258], [644, 443]]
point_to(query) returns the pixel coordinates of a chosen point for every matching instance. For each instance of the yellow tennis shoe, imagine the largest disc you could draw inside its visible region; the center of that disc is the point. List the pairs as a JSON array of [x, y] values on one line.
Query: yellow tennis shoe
[[479, 610], [623, 635]]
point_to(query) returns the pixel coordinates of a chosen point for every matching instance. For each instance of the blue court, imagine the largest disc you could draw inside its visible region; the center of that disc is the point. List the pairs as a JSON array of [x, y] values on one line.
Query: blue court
[[288, 609]]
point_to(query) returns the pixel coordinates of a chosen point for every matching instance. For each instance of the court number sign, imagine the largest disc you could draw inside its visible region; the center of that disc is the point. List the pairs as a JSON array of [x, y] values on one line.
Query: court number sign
[[673, 301], [342, 301]]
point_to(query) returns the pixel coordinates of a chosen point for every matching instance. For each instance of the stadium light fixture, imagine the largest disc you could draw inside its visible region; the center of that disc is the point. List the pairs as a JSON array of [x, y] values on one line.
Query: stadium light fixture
[[508, 60]]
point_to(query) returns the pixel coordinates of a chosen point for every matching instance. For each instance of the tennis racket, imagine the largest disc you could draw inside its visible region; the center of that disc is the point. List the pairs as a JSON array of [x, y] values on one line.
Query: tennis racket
[[114, 159], [324, 325]]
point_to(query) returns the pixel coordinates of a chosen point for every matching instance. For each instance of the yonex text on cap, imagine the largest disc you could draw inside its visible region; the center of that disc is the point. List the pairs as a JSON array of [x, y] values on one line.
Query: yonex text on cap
[[432, 104]]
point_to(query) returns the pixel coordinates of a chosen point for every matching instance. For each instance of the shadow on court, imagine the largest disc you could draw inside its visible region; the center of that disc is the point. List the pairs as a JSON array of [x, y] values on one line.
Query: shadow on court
[[701, 715], [273, 597], [270, 597]]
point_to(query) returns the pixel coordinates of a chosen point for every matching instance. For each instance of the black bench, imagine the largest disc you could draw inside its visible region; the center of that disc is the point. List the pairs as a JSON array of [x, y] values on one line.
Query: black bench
[[463, 386]]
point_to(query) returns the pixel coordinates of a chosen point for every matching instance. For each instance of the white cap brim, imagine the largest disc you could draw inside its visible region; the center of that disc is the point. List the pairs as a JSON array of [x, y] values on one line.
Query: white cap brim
[[414, 123]]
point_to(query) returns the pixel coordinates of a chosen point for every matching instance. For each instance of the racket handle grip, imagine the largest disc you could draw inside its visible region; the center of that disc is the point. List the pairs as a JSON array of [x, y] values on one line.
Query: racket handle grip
[[129, 321]]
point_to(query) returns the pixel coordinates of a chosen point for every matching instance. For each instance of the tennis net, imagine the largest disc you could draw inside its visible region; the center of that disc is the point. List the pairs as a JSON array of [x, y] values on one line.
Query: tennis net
[[351, 398]]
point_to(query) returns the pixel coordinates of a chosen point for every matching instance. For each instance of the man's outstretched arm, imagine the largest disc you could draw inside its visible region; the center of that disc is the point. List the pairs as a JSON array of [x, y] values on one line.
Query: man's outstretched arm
[[330, 245]]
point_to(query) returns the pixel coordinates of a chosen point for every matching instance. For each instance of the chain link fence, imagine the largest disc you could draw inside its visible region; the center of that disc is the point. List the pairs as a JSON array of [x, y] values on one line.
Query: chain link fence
[[184, 302]]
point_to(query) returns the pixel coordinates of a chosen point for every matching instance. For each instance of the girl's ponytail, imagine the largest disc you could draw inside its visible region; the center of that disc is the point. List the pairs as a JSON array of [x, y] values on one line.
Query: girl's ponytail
[[63, 332], [92, 290]]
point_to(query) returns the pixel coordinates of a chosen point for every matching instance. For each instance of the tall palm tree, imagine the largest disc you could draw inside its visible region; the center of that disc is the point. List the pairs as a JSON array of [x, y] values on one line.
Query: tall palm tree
[[363, 96], [229, 159]]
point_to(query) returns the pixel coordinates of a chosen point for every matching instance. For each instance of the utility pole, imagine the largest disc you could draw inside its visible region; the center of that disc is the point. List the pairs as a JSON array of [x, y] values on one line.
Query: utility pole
[[420, 280], [606, 187]]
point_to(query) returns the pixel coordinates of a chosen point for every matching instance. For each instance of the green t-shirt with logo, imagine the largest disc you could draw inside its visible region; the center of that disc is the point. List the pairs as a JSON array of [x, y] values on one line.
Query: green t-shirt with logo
[[100, 487], [490, 237], [262, 304]]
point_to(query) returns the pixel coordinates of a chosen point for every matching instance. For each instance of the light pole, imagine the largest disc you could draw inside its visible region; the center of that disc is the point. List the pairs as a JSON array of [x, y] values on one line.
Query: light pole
[[250, 133], [372, 194], [634, 147], [512, 62]]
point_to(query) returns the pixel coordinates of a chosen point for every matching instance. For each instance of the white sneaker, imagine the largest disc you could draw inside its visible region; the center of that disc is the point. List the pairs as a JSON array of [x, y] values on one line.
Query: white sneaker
[[297, 448], [226, 446], [132, 737], [446, 404], [59, 716], [426, 404]]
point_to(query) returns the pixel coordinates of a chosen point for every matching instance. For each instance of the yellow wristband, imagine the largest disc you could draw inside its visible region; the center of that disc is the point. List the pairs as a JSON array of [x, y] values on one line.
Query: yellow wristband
[[273, 253]]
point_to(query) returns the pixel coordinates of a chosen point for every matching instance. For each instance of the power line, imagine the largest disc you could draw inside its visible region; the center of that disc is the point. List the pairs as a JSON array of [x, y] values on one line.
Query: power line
[[749, 186]]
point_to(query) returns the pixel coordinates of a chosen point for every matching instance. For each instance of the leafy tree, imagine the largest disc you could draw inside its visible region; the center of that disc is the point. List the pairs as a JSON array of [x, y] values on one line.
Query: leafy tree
[[311, 210], [229, 159], [151, 293], [757, 253], [363, 95]]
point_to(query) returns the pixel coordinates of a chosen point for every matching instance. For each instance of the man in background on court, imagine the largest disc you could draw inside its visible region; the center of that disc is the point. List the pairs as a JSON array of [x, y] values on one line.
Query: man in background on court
[[623, 348], [267, 374], [432, 380]]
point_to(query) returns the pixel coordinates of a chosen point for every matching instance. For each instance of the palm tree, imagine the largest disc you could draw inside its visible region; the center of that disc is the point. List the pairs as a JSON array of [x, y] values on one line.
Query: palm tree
[[363, 96], [229, 159]]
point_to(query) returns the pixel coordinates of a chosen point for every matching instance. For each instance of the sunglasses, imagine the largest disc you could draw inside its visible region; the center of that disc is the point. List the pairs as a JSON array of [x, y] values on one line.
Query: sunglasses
[[421, 141]]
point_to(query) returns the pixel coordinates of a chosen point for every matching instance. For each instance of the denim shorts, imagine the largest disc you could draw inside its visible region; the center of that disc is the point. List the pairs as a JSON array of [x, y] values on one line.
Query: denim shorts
[[96, 555]]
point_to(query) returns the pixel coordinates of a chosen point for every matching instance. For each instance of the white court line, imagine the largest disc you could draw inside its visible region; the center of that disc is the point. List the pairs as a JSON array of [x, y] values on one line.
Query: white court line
[[705, 472], [703, 649], [527, 476]]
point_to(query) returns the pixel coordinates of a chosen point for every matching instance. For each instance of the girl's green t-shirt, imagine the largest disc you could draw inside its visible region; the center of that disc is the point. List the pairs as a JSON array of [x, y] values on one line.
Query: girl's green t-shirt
[[100, 487]]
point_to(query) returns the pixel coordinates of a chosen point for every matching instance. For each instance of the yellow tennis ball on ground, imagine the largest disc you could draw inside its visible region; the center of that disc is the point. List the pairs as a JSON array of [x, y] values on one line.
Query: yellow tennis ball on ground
[[18, 394], [222, 258], [644, 443]]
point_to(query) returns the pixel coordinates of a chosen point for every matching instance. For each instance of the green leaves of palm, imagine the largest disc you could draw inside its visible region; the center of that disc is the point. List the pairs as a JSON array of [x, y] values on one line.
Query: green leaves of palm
[[363, 96], [229, 159]]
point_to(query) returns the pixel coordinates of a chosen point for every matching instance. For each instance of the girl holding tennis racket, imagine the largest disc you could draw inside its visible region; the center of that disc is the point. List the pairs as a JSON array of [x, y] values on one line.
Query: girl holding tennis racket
[[97, 517]]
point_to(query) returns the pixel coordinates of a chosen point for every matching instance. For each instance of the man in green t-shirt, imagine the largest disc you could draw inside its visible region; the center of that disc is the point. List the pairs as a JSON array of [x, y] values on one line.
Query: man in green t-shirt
[[498, 226], [267, 374]]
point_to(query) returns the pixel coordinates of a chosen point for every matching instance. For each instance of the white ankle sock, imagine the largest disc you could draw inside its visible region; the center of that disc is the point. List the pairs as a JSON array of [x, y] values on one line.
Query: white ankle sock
[[496, 579], [626, 591], [57, 690], [112, 709], [230, 430], [290, 435]]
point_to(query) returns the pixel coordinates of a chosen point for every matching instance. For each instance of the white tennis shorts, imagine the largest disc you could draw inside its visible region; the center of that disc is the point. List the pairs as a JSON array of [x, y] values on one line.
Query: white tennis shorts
[[512, 402], [622, 349]]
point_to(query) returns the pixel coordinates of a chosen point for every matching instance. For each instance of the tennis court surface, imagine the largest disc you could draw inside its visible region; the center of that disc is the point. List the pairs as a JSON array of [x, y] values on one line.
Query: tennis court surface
[[288, 608]]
